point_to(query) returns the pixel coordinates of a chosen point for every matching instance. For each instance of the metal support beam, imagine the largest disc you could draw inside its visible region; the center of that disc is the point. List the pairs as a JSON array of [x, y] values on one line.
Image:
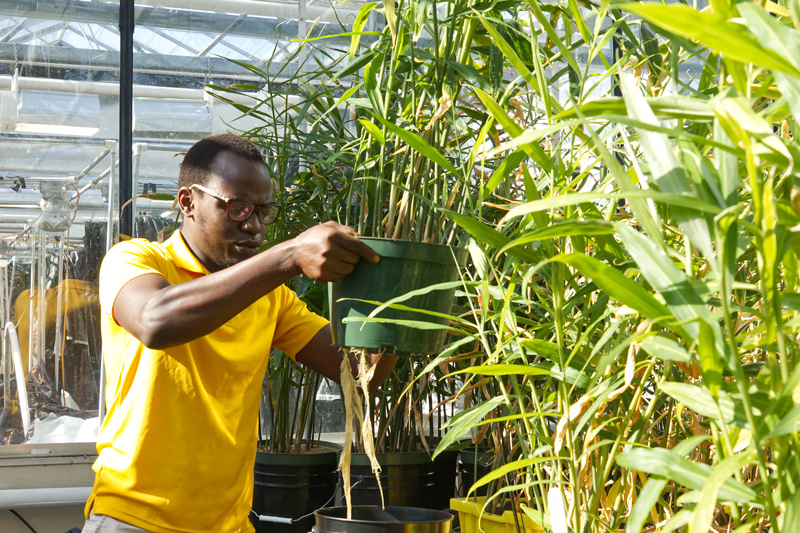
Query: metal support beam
[[264, 19], [126, 24], [222, 35], [77, 58]]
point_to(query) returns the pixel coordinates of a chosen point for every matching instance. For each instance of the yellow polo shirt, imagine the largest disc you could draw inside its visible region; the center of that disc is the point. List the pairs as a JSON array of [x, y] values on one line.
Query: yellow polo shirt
[[178, 444]]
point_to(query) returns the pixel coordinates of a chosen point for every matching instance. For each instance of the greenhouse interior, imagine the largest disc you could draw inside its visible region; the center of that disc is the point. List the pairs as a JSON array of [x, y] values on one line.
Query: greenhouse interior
[[504, 266]]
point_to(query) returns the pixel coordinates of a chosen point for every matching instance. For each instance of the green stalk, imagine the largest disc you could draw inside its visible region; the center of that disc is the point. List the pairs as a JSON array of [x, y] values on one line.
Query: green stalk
[[741, 379]]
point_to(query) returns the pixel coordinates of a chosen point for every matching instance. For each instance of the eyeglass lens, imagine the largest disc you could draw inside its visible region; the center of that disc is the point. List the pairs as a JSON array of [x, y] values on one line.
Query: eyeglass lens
[[239, 210]]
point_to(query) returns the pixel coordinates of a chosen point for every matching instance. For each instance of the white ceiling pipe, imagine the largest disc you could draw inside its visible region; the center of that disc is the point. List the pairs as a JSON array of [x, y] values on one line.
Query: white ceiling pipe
[[263, 9], [99, 87], [44, 497]]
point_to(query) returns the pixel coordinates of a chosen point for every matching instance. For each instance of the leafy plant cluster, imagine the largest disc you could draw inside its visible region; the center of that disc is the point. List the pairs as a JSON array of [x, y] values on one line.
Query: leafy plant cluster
[[623, 176]]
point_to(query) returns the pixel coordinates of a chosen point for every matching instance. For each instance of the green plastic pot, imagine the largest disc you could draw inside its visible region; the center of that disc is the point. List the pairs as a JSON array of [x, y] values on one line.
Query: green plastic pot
[[404, 267]]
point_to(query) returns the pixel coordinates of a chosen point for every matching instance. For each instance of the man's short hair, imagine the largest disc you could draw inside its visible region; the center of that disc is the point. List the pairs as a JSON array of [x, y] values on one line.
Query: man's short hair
[[196, 166]]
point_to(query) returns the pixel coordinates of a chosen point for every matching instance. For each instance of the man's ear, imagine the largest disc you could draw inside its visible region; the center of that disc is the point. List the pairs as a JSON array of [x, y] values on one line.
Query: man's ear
[[185, 202]]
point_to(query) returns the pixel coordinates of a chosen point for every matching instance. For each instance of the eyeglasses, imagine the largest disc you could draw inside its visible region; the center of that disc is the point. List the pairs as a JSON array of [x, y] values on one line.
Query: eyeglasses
[[240, 210]]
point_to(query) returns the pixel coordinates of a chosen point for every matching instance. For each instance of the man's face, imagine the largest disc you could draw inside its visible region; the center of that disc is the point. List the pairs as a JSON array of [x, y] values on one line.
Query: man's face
[[224, 242]]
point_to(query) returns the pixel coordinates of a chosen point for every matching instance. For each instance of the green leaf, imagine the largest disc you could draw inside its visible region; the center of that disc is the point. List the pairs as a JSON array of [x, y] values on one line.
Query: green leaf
[[617, 285], [469, 72], [646, 214], [419, 144], [486, 234], [510, 467], [658, 269], [662, 462], [664, 107], [709, 29], [546, 349], [554, 36], [506, 370], [358, 25], [354, 66], [578, 198], [699, 400], [788, 424], [510, 163], [666, 172], [372, 71], [461, 423], [645, 501], [665, 349], [408, 323], [509, 52], [570, 228], [710, 359], [158, 196], [501, 116], [791, 517], [742, 124], [722, 472], [447, 285], [373, 130]]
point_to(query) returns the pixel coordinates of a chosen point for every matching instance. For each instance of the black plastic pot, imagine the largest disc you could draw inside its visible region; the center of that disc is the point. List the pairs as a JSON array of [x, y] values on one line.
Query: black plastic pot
[[471, 468], [373, 519], [404, 266], [409, 479], [292, 486]]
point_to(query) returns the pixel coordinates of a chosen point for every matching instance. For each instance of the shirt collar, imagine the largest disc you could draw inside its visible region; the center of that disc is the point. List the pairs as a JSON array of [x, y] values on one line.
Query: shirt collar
[[182, 256]]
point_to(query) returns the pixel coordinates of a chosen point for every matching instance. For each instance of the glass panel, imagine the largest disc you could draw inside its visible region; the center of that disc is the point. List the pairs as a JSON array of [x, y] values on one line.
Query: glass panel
[[59, 153], [58, 131]]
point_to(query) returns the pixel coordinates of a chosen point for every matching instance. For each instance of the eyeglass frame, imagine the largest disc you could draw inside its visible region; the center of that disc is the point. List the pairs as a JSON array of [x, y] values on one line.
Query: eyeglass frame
[[229, 201]]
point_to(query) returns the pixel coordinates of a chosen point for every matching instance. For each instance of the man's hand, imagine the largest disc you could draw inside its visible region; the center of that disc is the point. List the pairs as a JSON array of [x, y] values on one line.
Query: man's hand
[[329, 251]]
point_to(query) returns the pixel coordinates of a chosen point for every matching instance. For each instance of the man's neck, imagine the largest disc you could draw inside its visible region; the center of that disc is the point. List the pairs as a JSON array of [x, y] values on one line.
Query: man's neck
[[187, 234]]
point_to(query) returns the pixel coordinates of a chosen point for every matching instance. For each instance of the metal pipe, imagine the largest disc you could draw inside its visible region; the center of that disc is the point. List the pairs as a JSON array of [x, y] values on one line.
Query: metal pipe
[[143, 91], [11, 286], [59, 322], [111, 183], [34, 242], [138, 148], [112, 89], [5, 295], [11, 332], [101, 409], [41, 312], [253, 7], [28, 139], [93, 164], [44, 497]]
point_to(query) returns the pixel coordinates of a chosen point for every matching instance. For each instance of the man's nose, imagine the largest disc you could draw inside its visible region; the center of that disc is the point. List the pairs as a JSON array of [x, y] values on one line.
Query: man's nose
[[253, 225]]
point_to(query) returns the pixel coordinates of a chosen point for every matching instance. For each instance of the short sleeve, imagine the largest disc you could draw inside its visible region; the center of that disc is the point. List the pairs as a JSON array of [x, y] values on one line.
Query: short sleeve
[[296, 325], [124, 262]]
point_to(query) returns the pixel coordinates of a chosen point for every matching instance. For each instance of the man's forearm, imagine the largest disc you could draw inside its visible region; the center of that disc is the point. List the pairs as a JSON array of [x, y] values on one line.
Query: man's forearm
[[180, 313]]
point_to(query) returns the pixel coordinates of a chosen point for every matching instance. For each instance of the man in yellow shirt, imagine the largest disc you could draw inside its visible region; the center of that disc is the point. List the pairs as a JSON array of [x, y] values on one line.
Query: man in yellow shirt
[[187, 327]]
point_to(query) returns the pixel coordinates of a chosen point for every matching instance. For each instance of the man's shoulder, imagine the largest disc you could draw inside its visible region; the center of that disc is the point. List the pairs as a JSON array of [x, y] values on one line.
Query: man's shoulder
[[132, 251], [138, 247]]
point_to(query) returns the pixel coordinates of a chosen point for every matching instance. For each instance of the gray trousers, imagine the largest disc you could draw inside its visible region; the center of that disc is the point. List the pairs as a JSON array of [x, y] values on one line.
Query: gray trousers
[[99, 523]]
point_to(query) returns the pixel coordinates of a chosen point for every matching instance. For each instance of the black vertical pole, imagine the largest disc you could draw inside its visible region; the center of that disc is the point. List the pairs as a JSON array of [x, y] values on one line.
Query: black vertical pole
[[126, 113], [616, 54]]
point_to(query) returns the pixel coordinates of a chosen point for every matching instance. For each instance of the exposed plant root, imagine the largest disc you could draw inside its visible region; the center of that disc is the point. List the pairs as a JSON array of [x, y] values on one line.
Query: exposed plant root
[[354, 409]]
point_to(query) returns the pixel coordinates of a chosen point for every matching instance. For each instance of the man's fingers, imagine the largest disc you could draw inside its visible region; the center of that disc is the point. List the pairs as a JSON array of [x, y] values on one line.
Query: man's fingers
[[359, 247], [347, 257]]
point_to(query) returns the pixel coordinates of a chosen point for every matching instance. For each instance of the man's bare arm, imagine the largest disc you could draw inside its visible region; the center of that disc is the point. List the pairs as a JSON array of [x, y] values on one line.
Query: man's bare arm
[[321, 356], [161, 315]]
